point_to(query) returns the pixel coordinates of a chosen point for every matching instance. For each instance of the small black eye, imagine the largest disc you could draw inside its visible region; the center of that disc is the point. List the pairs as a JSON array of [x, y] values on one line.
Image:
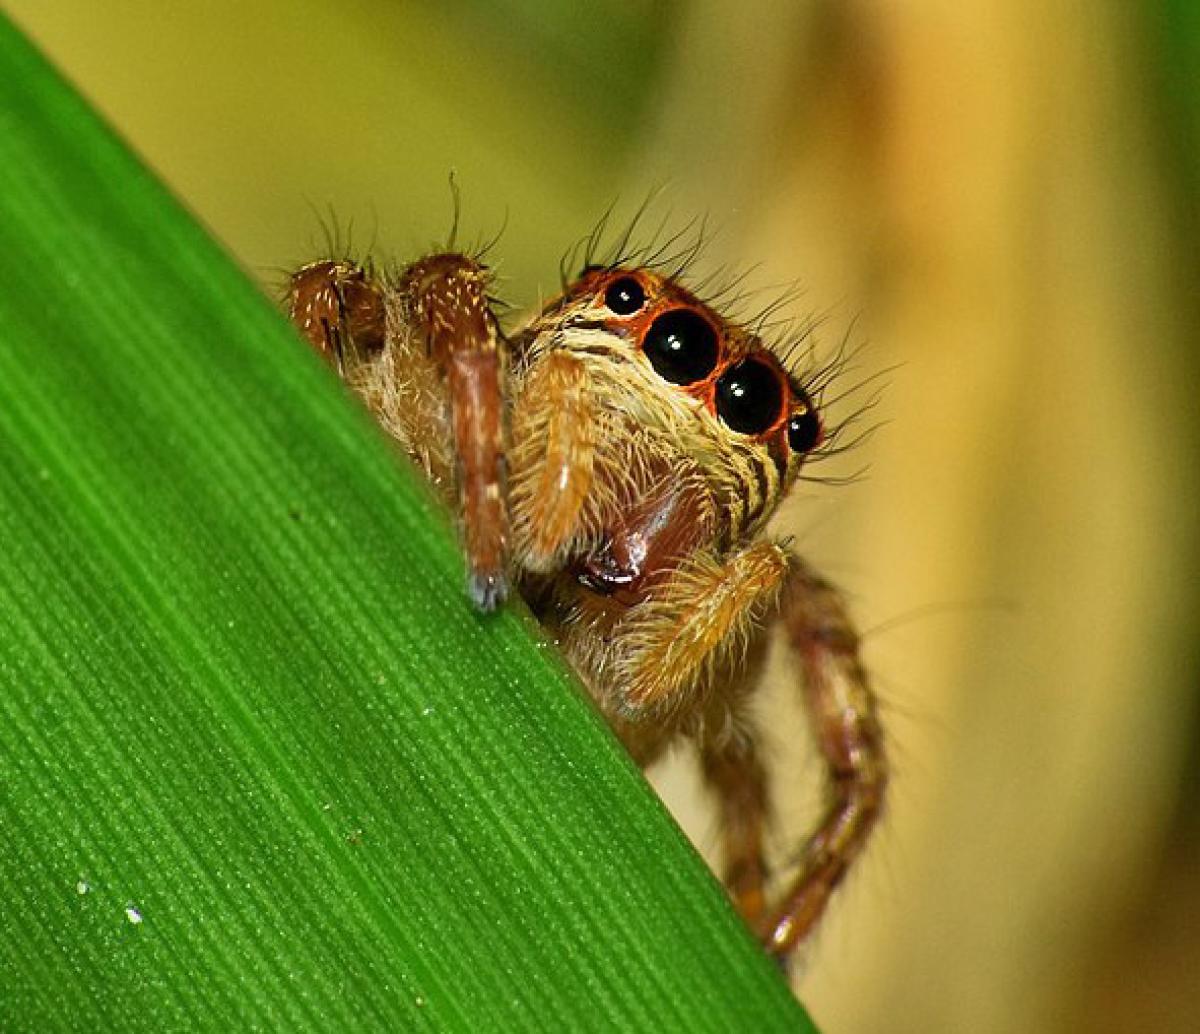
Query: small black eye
[[749, 397], [681, 346], [804, 431], [625, 296]]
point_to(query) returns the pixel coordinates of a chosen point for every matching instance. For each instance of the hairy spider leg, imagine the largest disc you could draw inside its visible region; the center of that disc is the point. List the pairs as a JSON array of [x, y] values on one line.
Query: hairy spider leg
[[339, 310], [351, 318], [447, 297], [843, 713]]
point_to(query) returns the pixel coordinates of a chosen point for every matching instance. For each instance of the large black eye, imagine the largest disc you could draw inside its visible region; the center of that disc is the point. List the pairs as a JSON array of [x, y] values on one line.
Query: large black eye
[[625, 296], [682, 346], [804, 430], [749, 396]]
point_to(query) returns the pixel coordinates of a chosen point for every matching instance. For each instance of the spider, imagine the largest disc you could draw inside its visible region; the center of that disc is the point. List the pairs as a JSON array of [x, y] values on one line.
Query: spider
[[616, 460]]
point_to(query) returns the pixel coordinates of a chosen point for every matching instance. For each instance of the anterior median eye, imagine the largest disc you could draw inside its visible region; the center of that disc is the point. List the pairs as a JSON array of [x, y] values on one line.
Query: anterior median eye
[[749, 396], [625, 296], [681, 346]]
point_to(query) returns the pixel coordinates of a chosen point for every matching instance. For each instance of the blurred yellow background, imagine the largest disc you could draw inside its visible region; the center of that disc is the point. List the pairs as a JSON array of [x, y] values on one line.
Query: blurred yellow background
[[1003, 195]]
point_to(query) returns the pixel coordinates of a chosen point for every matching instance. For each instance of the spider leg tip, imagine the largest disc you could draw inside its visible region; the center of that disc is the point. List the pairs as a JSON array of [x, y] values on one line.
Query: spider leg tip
[[487, 589]]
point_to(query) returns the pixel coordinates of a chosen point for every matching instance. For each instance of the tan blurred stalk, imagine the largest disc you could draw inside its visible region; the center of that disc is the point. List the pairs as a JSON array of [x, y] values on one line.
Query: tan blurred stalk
[[977, 180]]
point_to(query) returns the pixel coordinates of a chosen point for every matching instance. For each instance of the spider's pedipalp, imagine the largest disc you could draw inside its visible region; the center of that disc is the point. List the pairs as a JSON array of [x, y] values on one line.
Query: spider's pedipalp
[[554, 428], [703, 616]]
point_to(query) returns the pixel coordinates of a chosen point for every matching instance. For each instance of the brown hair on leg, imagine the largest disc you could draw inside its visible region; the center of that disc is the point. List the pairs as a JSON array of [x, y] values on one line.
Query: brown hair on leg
[[447, 299], [339, 309], [842, 710], [735, 774]]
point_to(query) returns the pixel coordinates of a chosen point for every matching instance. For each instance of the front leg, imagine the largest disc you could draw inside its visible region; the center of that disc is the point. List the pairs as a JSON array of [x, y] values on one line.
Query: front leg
[[445, 297], [423, 351], [339, 308]]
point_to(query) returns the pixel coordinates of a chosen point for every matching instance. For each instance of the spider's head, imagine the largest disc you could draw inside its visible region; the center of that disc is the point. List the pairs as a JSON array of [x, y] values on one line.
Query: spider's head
[[684, 429]]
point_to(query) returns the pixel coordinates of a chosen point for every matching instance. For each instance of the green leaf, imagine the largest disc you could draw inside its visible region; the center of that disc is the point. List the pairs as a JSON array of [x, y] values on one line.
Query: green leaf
[[261, 766]]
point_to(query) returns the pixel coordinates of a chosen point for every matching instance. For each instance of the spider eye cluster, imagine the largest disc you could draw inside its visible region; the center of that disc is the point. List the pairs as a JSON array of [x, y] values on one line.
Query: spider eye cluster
[[750, 396]]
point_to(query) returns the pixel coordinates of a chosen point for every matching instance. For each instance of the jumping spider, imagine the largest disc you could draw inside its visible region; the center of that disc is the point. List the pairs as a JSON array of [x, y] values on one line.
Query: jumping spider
[[617, 459]]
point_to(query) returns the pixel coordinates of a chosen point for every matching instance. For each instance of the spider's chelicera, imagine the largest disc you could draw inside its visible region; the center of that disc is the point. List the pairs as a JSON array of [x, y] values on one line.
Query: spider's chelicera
[[616, 459]]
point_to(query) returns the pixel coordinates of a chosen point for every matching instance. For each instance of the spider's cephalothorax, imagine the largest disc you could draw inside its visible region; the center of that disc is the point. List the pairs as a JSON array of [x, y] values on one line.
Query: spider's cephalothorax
[[648, 442]]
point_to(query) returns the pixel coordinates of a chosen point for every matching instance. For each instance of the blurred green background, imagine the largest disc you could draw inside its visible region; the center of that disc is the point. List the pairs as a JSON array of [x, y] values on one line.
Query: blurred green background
[[1002, 198]]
